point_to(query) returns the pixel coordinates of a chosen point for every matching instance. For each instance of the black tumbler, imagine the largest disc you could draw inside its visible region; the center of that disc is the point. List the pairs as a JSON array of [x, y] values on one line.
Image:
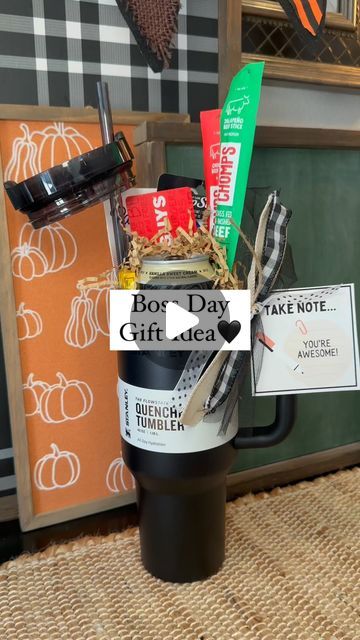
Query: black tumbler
[[180, 471], [181, 496]]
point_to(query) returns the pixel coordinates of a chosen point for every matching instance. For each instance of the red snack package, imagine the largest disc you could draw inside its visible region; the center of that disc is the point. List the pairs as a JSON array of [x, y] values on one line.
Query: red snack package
[[148, 212], [210, 131]]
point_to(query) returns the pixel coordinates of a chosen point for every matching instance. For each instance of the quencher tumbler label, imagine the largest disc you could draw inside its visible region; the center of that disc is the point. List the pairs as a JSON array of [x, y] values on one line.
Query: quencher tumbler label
[[150, 419]]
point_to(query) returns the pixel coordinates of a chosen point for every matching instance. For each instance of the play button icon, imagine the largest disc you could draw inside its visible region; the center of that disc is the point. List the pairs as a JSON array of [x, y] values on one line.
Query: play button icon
[[178, 320]]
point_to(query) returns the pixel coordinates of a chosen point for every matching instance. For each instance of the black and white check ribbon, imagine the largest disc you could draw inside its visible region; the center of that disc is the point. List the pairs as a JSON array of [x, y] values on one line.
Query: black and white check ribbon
[[195, 364], [272, 238]]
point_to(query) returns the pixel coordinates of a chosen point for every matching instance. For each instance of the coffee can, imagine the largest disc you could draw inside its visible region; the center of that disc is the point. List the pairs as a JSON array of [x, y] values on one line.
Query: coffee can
[[157, 272]]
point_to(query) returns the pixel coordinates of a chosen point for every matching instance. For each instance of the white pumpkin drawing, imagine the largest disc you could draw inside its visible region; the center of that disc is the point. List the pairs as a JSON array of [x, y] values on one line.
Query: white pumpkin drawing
[[24, 157], [30, 324], [42, 251], [118, 477], [28, 262], [65, 400], [58, 142], [101, 298], [56, 470], [33, 390], [55, 242], [81, 330]]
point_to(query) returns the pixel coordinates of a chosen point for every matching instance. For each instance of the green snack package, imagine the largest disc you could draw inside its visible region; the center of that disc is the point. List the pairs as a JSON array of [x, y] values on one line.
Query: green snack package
[[237, 130]]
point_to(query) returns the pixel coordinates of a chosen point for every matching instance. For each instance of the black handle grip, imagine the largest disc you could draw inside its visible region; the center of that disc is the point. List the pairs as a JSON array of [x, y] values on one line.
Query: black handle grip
[[255, 437]]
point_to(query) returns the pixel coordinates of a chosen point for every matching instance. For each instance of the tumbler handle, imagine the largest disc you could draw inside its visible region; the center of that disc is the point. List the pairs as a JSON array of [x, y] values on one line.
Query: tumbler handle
[[255, 437]]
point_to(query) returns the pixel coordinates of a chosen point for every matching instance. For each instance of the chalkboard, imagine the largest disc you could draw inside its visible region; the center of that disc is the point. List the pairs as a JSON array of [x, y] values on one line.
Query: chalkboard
[[317, 171], [320, 186]]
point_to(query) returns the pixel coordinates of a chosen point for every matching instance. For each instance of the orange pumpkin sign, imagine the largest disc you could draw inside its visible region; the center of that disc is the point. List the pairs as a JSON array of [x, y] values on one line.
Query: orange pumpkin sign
[[69, 373]]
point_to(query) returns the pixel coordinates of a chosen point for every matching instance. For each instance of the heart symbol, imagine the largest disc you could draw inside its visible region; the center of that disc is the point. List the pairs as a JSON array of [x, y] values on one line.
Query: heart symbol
[[229, 330]]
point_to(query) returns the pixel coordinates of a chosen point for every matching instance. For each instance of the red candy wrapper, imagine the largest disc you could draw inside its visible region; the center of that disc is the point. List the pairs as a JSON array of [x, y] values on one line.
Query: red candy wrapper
[[210, 131], [147, 213]]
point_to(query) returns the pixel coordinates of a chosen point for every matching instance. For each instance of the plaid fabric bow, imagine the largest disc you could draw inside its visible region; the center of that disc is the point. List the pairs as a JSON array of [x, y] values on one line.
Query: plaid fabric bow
[[270, 248]]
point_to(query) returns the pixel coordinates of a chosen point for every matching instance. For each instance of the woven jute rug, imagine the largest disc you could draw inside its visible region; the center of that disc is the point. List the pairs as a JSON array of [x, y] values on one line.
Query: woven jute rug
[[292, 572]]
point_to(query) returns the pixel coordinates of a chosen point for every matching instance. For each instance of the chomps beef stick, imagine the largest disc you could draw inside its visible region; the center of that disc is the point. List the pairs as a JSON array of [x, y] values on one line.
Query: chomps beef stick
[[237, 130], [210, 131]]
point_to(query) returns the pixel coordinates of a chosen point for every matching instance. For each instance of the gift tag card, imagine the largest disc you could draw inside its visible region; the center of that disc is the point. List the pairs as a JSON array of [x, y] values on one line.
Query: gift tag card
[[309, 342]]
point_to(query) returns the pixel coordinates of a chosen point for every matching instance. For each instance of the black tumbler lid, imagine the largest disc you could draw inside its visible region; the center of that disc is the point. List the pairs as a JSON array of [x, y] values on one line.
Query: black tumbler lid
[[75, 184]]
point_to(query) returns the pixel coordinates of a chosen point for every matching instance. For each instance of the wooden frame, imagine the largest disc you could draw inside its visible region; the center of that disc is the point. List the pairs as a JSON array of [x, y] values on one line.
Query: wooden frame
[[229, 37], [272, 9], [8, 504], [231, 57], [292, 470], [8, 508], [85, 115], [150, 141]]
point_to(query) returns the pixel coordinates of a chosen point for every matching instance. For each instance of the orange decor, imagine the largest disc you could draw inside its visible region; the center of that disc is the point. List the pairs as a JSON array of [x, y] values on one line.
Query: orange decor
[[69, 373]]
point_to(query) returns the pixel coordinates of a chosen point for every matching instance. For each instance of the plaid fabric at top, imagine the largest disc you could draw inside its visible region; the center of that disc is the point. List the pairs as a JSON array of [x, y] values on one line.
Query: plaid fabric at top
[[53, 52]]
